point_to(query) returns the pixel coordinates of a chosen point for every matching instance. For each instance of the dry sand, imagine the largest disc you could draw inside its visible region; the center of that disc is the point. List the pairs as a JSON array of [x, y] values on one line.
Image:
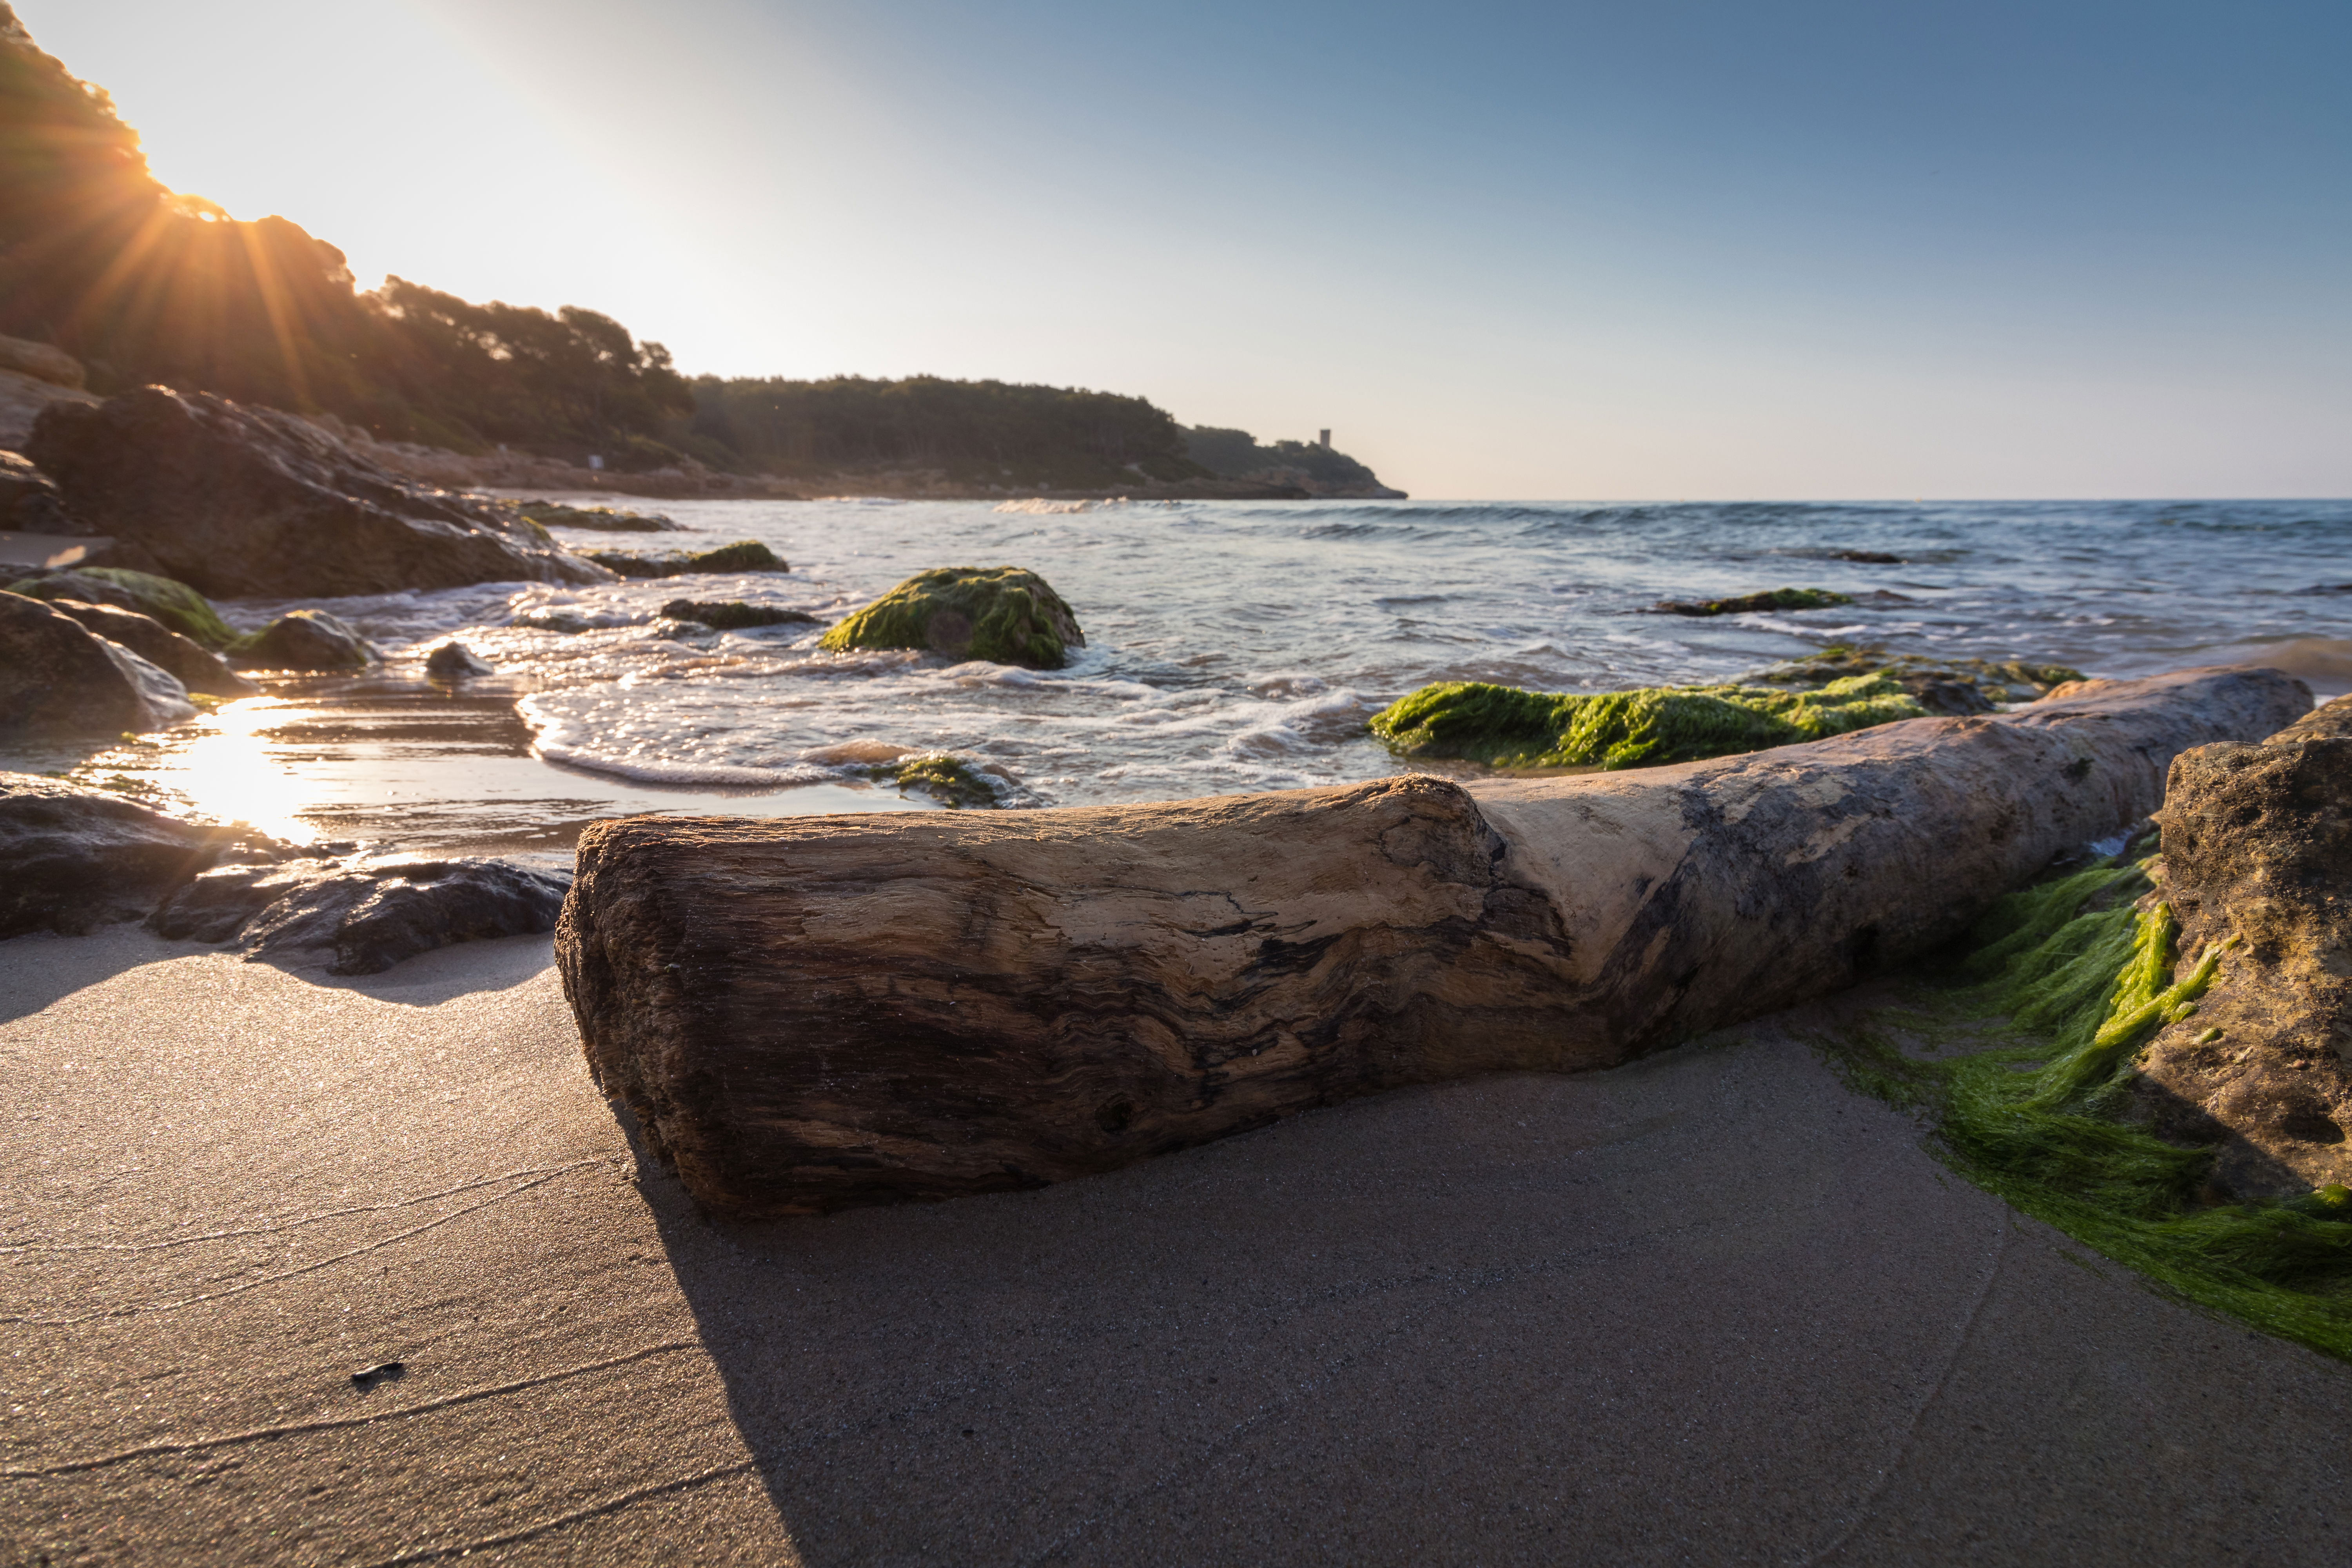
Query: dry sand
[[1710, 1309]]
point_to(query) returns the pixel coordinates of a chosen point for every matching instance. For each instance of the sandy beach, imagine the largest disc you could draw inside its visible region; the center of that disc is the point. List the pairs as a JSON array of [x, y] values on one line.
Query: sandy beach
[[1713, 1307]]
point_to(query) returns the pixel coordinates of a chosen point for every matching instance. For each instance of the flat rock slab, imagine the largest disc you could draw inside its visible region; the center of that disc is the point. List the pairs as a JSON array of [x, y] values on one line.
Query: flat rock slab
[[809, 1012]]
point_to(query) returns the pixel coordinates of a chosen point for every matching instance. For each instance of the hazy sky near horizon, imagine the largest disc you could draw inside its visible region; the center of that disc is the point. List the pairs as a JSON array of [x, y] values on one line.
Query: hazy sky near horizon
[[1701, 248]]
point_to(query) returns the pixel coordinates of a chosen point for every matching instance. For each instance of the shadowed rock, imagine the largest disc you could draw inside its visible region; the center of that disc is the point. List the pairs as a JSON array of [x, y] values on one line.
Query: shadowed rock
[[57, 676], [29, 502], [2257, 843], [454, 661], [306, 639], [245, 501], [809, 1012], [745, 555], [734, 615], [193, 665], [176, 605], [364, 919], [72, 858]]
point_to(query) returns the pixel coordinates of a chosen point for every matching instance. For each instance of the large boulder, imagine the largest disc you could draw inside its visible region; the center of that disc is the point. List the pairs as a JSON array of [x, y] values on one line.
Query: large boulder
[[2257, 844], [244, 502], [805, 1012], [306, 639], [71, 859], [29, 502], [57, 677], [176, 605], [1000, 613], [193, 666]]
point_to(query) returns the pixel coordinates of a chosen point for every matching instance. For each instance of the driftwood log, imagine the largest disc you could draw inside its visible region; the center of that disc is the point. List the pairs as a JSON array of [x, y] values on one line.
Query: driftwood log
[[815, 1012]]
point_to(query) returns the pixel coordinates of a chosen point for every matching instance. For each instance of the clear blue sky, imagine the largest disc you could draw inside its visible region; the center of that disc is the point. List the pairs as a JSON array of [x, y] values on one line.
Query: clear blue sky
[[1666, 249]]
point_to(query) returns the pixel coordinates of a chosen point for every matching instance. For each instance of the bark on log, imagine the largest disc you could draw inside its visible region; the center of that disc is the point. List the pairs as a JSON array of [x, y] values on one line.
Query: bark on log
[[809, 1012]]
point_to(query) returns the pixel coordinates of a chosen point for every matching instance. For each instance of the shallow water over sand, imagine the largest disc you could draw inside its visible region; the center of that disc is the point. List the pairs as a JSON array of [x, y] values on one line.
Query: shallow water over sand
[[1230, 647]]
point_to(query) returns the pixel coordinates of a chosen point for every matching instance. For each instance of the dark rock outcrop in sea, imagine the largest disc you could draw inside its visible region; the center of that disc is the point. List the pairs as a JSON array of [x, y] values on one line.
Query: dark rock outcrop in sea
[[1001, 613], [240, 501], [72, 858], [1744, 604], [306, 639], [194, 666], [2257, 846], [744, 556], [602, 519], [734, 615], [454, 661], [57, 676]]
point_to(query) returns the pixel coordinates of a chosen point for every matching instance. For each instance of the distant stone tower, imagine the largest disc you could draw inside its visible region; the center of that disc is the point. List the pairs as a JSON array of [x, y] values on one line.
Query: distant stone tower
[[1324, 440]]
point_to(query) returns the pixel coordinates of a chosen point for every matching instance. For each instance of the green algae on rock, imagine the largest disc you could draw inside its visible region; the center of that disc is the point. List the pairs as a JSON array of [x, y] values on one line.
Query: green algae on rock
[[1771, 599], [1003, 614], [1946, 686], [2052, 1009], [603, 518], [173, 602], [951, 779], [1505, 726]]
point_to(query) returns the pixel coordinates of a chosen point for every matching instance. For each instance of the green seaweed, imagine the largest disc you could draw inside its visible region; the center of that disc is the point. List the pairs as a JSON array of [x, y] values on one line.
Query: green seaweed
[[173, 602], [1771, 599], [2058, 987], [603, 518], [1505, 726], [949, 778], [1015, 617]]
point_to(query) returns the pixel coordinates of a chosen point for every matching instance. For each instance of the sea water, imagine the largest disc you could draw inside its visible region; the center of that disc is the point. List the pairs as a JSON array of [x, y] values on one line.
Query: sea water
[[1236, 646]]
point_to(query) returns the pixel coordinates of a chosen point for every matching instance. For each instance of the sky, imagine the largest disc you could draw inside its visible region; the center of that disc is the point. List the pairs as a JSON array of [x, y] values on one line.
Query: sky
[[1646, 249]]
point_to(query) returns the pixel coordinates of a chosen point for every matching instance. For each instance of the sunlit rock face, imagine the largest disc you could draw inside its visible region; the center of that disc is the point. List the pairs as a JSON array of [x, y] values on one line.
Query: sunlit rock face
[[240, 501]]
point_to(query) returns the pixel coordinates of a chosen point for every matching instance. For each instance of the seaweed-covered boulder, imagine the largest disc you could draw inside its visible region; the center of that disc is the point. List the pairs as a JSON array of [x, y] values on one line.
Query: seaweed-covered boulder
[[362, 919], [744, 556], [176, 605], [306, 639], [1771, 599], [1504, 726], [29, 502], [454, 661], [2257, 845], [73, 857], [1949, 687], [1000, 613], [245, 501], [57, 676], [187, 662], [734, 615]]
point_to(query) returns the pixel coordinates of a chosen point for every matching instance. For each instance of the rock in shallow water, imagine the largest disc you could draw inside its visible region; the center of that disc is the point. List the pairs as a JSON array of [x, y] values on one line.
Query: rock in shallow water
[[1001, 613], [243, 501], [306, 639], [58, 677], [72, 858], [454, 661]]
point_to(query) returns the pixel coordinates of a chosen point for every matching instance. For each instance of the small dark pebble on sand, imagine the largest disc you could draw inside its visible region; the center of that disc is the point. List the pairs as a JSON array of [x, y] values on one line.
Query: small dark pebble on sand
[[385, 1372]]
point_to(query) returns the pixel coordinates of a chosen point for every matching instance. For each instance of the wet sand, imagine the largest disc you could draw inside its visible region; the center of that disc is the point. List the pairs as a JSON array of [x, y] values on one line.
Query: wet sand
[[400, 762], [1709, 1308]]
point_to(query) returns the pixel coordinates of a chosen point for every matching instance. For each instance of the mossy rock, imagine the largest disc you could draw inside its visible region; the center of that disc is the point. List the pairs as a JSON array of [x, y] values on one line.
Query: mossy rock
[[1505, 726], [1946, 686], [734, 615], [1772, 599], [951, 779], [175, 604], [1001, 613]]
